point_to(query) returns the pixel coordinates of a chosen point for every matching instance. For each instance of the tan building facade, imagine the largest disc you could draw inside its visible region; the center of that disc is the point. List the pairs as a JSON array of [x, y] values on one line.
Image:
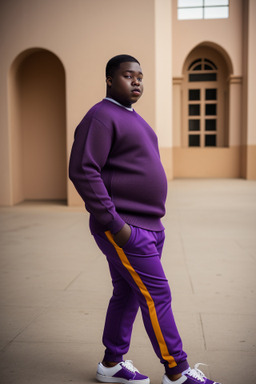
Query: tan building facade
[[200, 87]]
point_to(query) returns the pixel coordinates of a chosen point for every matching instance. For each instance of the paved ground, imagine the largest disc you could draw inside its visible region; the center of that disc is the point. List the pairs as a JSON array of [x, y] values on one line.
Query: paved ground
[[55, 287]]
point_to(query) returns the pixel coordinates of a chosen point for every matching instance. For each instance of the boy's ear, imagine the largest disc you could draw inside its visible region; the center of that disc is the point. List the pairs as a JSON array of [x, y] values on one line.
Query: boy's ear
[[109, 81]]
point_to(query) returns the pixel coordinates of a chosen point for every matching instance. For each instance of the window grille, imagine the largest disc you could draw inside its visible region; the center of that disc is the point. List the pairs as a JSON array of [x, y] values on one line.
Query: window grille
[[202, 9]]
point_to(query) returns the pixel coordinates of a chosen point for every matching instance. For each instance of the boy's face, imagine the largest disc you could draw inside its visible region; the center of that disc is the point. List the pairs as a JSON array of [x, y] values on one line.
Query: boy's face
[[126, 85]]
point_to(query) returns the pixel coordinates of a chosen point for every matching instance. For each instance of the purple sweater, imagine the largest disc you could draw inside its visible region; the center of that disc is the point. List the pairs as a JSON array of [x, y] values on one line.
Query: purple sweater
[[116, 169]]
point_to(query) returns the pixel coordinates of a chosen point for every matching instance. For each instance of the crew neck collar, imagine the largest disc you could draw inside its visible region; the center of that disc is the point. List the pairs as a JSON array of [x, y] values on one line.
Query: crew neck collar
[[120, 105]]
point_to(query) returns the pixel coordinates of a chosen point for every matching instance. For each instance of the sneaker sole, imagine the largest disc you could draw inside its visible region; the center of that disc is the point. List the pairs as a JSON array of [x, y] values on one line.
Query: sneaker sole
[[107, 379]]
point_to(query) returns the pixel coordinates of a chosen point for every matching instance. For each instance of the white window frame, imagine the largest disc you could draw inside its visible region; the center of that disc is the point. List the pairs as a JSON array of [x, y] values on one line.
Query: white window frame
[[202, 9]]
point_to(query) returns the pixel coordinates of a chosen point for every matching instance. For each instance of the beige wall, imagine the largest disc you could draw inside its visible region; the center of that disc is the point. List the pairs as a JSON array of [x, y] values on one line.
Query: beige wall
[[251, 93], [226, 37], [163, 89], [217, 162], [163, 59], [226, 33], [83, 35]]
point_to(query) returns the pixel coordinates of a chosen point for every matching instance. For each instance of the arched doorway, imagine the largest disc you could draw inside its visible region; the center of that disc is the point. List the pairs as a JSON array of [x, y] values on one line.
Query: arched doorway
[[38, 127], [205, 99], [207, 116]]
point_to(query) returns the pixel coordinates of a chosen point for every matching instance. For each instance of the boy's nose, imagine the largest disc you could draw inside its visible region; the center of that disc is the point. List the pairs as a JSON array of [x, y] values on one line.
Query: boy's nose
[[135, 81]]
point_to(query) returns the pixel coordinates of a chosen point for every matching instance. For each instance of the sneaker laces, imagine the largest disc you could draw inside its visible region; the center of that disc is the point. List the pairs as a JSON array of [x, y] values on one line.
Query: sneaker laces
[[129, 365], [196, 373]]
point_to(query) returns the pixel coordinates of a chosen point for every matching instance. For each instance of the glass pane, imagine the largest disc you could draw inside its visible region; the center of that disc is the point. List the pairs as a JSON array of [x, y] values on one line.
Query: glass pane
[[190, 3], [211, 94], [194, 62], [210, 124], [190, 13], [194, 94], [210, 62], [216, 13], [194, 109], [194, 140], [215, 2], [207, 67], [203, 77], [210, 140], [197, 67], [194, 125], [210, 109]]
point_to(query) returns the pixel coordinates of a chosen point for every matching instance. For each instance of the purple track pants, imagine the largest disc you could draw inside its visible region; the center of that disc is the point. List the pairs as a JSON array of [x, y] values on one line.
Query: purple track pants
[[139, 281]]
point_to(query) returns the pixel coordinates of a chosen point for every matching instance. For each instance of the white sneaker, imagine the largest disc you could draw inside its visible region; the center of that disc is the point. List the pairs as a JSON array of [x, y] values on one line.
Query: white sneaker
[[123, 372], [191, 376]]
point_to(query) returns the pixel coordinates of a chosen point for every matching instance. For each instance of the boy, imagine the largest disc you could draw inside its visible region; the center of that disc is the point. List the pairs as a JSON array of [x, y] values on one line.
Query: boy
[[116, 168]]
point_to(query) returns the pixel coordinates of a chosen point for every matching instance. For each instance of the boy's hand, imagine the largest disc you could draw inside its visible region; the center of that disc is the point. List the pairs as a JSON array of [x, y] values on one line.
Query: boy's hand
[[122, 236]]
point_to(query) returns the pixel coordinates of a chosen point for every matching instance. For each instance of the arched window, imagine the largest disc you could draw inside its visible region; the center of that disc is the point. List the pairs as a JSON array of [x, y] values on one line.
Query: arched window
[[204, 101]]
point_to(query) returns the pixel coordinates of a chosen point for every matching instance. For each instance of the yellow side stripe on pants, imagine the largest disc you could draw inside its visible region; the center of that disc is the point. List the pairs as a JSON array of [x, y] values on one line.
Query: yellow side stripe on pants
[[150, 302]]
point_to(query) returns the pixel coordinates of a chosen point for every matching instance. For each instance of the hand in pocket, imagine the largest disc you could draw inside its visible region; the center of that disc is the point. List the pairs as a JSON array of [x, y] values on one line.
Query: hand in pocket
[[122, 237]]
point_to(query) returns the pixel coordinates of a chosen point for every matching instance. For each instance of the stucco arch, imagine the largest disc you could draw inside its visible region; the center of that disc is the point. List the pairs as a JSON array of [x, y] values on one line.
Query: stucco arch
[[215, 47], [37, 117]]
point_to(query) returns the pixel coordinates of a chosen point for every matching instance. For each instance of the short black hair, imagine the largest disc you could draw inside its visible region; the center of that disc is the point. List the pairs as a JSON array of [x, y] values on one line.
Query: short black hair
[[114, 63]]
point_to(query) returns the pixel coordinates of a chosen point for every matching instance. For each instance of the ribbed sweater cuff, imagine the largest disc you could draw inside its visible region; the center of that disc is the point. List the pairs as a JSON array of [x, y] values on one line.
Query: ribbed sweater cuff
[[116, 225]]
